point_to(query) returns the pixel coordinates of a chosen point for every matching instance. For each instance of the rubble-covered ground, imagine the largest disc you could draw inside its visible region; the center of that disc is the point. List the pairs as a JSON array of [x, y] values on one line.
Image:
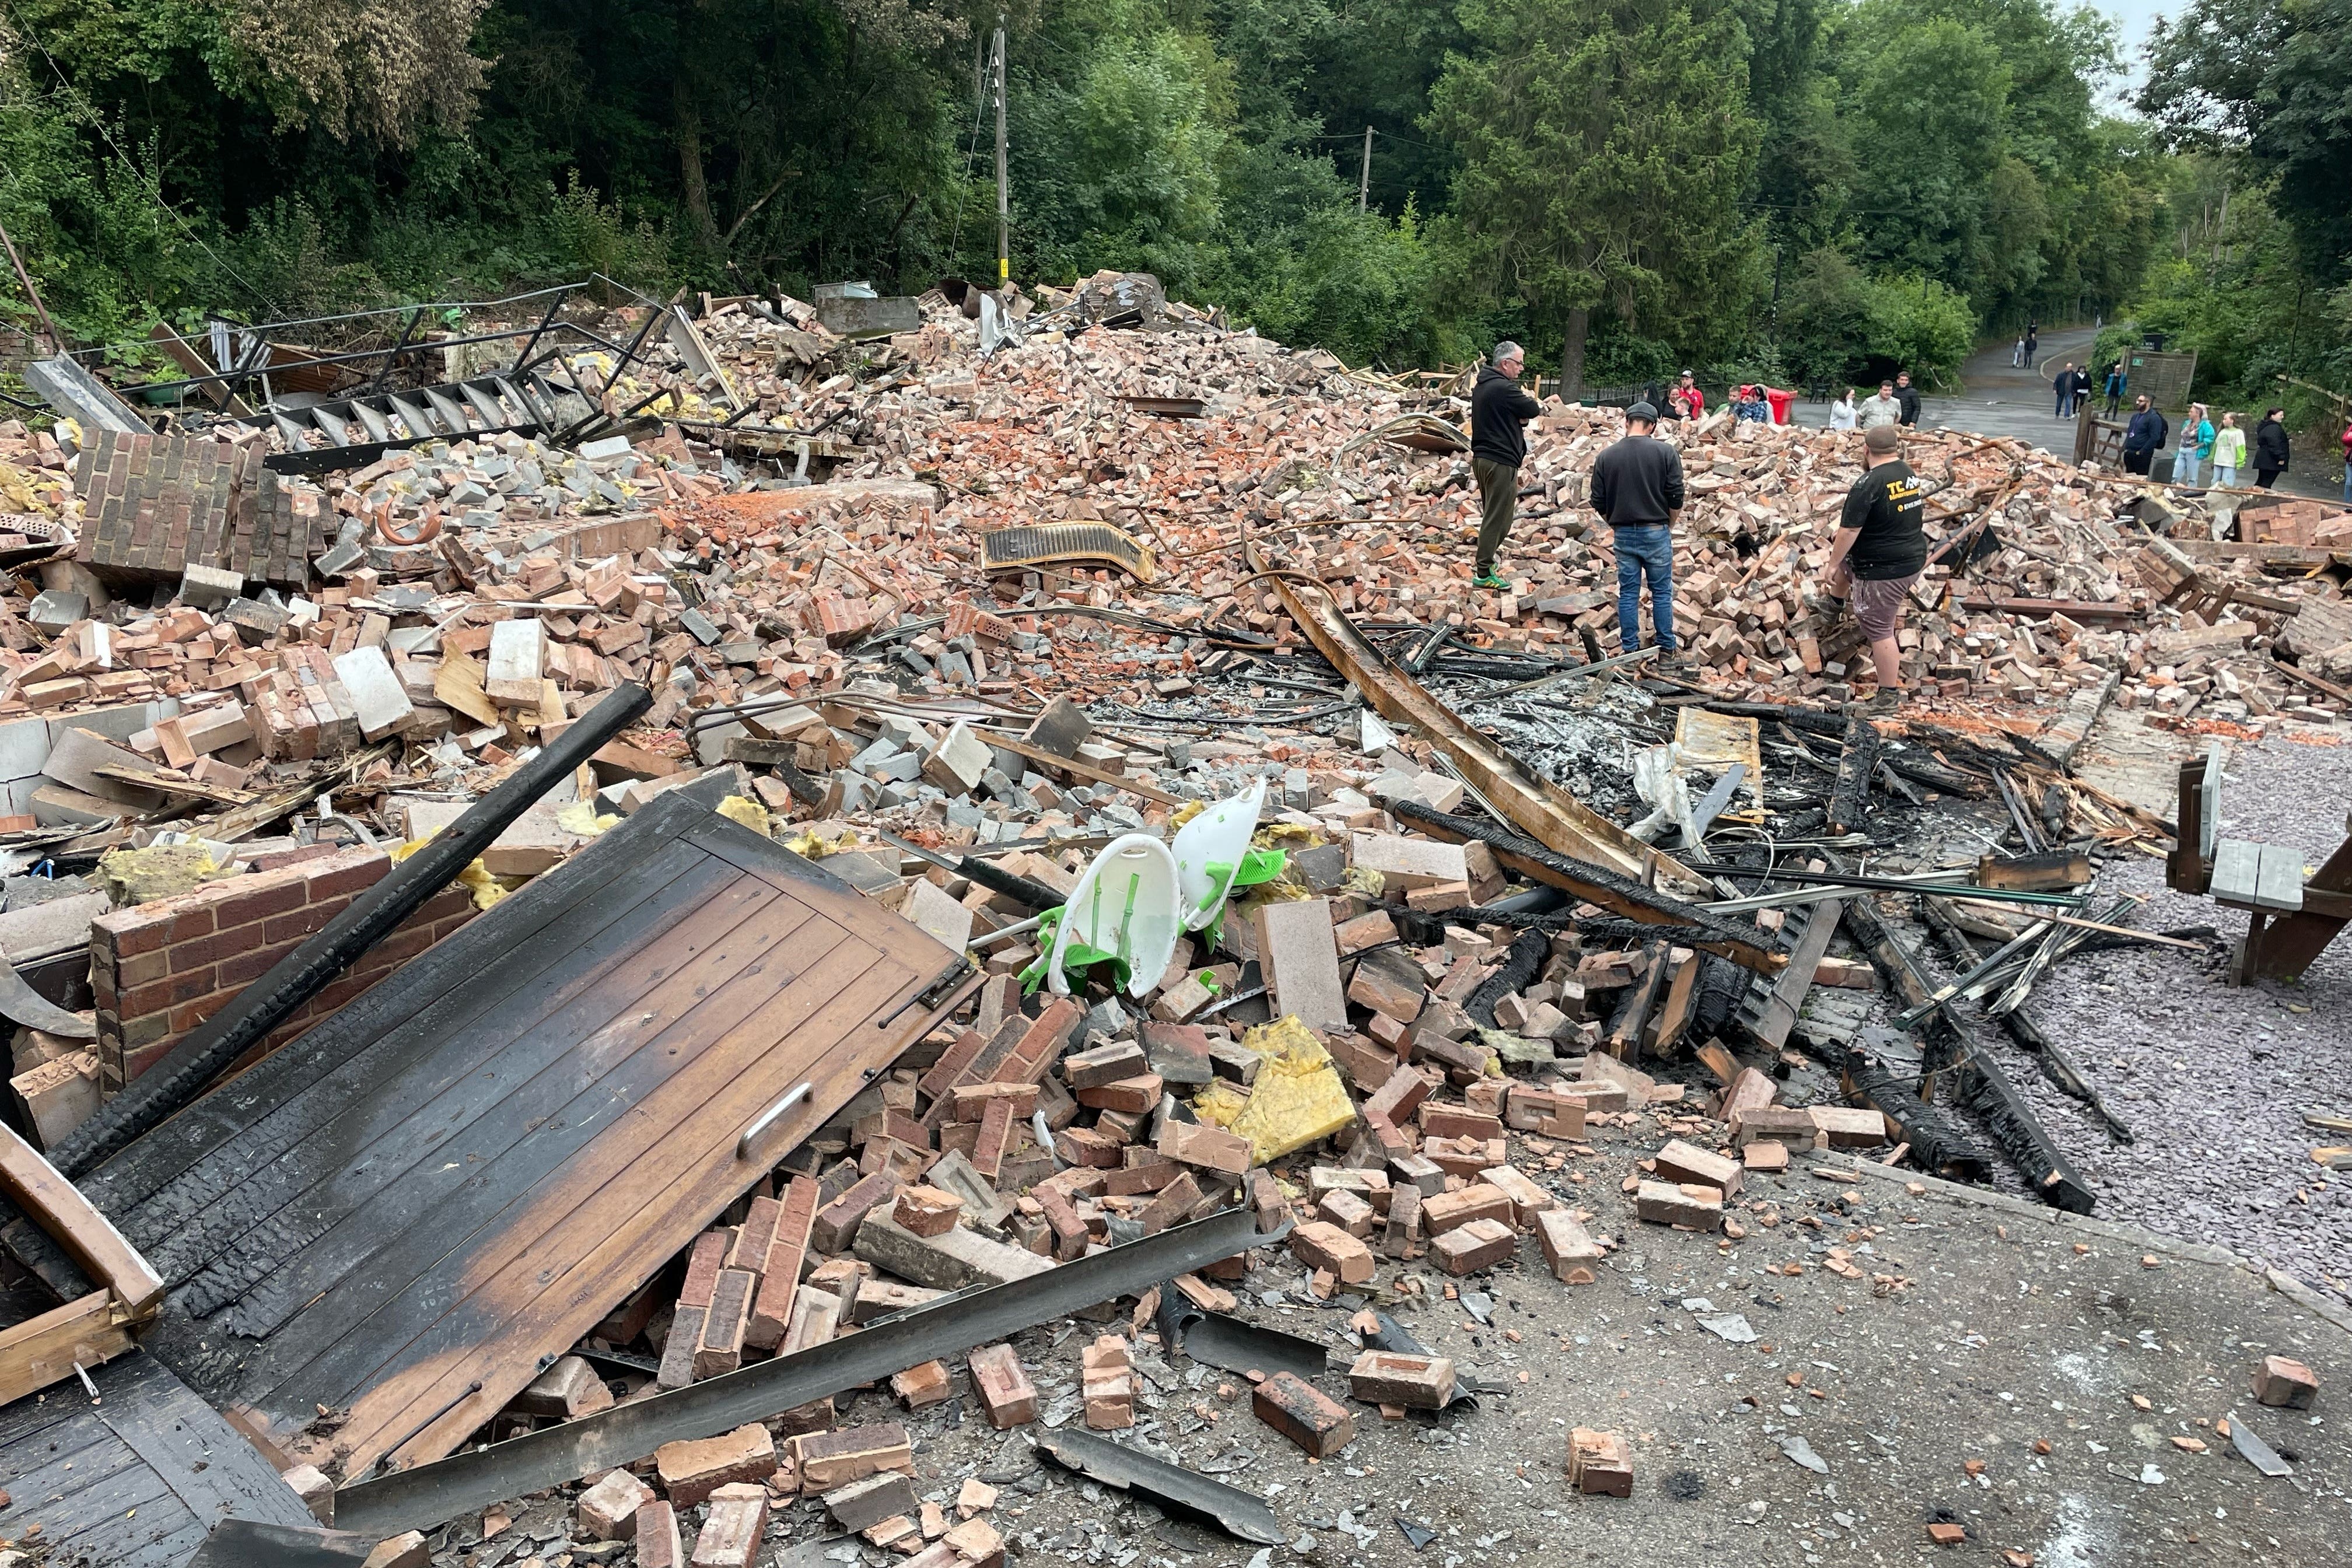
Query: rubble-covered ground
[[1541, 1128]]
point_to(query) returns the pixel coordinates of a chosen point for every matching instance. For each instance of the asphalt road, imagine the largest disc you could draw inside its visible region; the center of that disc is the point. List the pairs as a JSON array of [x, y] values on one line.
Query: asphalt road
[[2000, 399]]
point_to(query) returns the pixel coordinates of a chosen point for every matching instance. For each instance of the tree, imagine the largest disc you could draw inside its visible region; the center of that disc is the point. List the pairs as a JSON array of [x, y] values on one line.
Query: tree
[[2274, 76], [1605, 145]]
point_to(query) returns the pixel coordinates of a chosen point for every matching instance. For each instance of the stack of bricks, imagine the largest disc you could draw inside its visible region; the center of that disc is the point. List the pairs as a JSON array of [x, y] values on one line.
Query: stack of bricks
[[157, 504], [1109, 1383], [159, 969]]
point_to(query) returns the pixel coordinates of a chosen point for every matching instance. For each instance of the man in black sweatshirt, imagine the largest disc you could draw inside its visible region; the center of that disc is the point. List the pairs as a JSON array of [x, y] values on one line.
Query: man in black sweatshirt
[[1497, 446], [1637, 489]]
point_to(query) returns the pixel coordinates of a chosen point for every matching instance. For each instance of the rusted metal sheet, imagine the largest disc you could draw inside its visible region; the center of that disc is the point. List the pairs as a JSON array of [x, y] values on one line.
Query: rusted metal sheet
[[1547, 813], [404, 1212]]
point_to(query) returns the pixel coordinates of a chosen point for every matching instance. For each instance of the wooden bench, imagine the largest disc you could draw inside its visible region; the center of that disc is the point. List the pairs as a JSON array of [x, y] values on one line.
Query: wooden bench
[[2289, 919]]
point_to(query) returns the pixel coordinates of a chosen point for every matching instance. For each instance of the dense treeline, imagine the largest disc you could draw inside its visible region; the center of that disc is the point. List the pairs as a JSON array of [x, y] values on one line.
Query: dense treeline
[[2256, 271], [1800, 188]]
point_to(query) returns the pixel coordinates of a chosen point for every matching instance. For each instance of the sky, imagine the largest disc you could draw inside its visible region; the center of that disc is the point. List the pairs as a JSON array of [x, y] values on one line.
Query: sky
[[2132, 19]]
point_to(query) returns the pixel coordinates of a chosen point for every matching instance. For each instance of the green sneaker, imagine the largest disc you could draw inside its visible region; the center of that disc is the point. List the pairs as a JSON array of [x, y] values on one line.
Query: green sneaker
[[1489, 578]]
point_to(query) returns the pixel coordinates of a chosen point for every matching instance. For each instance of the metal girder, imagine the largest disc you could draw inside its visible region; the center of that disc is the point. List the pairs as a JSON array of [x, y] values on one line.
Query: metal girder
[[1547, 813], [423, 1497], [1232, 1510]]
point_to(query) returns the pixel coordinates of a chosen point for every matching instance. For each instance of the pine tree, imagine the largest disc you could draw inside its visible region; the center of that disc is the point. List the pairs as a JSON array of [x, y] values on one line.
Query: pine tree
[[1605, 146]]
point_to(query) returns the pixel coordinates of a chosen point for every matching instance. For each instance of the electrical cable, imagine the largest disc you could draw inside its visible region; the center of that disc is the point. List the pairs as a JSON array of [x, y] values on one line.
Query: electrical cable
[[154, 192]]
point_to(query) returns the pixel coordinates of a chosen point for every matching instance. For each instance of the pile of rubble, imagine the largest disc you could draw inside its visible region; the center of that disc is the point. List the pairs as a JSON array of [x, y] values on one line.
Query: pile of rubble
[[1079, 599]]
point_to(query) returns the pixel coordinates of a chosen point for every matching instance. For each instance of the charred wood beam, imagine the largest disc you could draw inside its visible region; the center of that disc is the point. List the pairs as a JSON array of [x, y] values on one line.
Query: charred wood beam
[[2056, 1066], [1984, 1088], [1937, 1144], [1596, 884], [1521, 962], [1849, 800]]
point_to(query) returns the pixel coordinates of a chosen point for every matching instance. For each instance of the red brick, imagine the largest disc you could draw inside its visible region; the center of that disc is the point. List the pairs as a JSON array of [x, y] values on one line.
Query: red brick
[[1304, 1414], [273, 893], [354, 873], [296, 925], [1467, 1248], [1004, 1391], [692, 1471]]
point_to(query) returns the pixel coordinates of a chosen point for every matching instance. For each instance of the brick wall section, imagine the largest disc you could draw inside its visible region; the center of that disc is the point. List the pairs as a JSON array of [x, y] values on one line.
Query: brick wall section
[[156, 503], [161, 968]]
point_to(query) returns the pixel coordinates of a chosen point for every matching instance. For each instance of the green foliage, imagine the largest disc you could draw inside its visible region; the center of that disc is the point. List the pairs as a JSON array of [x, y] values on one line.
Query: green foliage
[[2276, 75], [1618, 180], [1842, 325], [1605, 145]]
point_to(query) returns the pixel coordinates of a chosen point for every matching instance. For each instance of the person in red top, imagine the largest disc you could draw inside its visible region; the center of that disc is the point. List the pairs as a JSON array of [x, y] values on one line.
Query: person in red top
[[1687, 400], [2348, 462]]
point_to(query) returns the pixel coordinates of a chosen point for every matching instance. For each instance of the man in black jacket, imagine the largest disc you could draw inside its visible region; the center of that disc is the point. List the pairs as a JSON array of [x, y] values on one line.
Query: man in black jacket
[[1908, 396], [1497, 446], [2144, 436], [2270, 447], [1637, 489]]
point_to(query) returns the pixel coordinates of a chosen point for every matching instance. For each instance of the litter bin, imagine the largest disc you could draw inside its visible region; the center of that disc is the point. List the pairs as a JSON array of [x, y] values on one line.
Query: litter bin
[[1781, 398]]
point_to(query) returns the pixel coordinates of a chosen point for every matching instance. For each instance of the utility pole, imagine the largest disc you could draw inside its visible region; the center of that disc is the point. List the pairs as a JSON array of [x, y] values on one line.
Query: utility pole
[[1003, 188], [1364, 186]]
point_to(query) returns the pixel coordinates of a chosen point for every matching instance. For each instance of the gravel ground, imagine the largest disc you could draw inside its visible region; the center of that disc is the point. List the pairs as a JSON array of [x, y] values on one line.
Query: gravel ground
[[2212, 1081]]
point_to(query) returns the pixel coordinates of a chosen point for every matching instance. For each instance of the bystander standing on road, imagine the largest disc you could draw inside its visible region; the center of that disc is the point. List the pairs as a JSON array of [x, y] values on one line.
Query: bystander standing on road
[[2229, 452], [1908, 396], [1884, 408], [1842, 412], [2270, 447], [2196, 445], [1499, 407], [2063, 383], [1878, 553], [2115, 388], [1637, 488], [2032, 342], [2144, 436], [2017, 355]]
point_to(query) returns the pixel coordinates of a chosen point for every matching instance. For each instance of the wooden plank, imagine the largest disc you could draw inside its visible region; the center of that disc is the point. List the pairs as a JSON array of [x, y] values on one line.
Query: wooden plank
[[1788, 998], [2293, 942], [334, 1200], [44, 1350], [1071, 765], [2236, 864], [374, 1093], [2278, 879], [567, 1099], [518, 1163], [58, 1208], [440, 983], [76, 1471], [688, 1171]]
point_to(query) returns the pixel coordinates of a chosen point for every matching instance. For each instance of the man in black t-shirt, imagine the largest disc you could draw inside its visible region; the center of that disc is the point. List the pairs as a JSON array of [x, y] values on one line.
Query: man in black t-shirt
[[1879, 551]]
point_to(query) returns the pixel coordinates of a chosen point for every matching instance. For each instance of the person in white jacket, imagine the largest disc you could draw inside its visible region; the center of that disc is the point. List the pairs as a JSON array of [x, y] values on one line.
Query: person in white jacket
[[1842, 412]]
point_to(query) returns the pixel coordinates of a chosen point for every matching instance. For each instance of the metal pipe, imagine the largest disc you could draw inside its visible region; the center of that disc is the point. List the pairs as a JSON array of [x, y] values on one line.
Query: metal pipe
[[219, 1040]]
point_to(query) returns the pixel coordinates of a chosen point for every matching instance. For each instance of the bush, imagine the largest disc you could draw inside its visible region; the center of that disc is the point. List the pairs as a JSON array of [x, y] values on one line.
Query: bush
[[584, 234], [1918, 325]]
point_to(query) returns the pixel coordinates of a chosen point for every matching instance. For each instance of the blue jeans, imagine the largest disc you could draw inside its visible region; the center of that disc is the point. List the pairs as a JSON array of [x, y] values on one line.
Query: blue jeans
[[2184, 467], [2347, 480], [1646, 550]]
